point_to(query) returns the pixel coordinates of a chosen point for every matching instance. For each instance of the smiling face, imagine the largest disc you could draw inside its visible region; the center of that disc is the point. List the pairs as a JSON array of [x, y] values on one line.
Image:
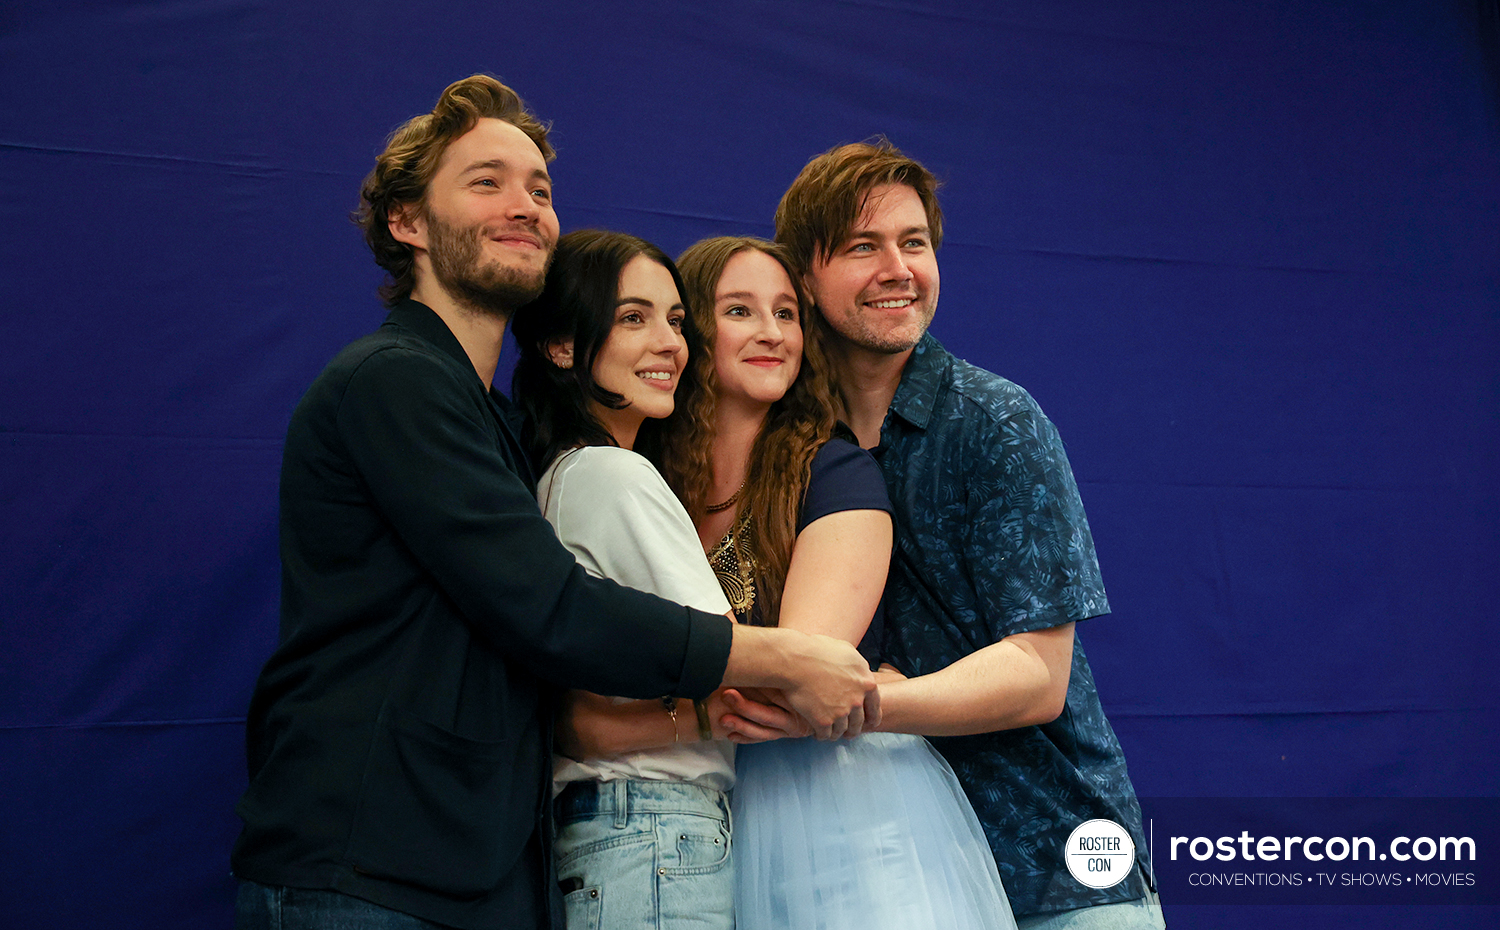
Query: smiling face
[[879, 288], [643, 356], [758, 338], [485, 232]]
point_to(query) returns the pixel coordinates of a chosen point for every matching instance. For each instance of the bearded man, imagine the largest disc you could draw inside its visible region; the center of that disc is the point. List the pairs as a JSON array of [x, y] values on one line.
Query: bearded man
[[994, 562], [399, 737]]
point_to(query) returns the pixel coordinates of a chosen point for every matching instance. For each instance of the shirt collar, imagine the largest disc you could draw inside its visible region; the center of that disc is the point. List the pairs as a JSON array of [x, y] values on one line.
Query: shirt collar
[[924, 374]]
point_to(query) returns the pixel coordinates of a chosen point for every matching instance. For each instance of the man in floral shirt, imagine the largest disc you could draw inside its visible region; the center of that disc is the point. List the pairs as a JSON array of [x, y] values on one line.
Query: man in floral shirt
[[993, 561]]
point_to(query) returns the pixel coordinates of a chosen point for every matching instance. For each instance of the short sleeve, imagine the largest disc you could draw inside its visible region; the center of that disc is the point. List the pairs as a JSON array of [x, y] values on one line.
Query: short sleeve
[[1027, 542], [612, 509], [844, 477]]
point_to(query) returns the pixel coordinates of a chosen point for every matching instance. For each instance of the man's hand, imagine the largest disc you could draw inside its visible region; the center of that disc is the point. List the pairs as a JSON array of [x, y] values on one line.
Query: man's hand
[[756, 715], [830, 686], [823, 679]]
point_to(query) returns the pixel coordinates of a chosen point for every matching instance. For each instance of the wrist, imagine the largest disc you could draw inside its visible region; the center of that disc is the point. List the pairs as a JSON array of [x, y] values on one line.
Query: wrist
[[670, 705], [762, 657]]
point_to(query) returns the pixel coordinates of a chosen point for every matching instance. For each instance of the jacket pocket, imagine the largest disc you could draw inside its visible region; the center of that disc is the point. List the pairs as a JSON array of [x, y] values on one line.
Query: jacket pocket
[[441, 811]]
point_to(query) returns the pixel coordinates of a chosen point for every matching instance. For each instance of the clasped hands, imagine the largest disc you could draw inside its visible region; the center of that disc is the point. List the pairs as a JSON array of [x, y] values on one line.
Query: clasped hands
[[756, 715]]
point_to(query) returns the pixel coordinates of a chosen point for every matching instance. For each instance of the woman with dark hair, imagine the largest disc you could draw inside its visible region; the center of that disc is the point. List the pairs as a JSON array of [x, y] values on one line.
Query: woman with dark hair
[[642, 807], [862, 834]]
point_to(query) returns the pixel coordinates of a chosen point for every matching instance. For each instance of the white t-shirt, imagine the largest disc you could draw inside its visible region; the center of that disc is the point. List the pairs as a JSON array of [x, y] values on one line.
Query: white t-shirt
[[612, 509]]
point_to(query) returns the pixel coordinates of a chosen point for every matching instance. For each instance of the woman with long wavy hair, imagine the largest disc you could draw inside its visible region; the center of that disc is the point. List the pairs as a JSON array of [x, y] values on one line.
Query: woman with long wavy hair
[[862, 834]]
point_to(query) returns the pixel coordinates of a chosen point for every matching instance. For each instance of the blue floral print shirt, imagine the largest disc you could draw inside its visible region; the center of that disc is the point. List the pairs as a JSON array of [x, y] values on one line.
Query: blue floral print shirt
[[991, 540]]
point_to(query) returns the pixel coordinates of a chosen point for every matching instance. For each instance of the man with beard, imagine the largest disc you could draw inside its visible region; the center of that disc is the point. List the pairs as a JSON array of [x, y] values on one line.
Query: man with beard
[[994, 562], [399, 736]]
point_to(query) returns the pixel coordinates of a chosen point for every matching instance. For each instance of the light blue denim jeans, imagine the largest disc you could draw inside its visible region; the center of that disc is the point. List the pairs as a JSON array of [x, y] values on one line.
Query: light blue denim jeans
[[271, 907], [1140, 914], [644, 855]]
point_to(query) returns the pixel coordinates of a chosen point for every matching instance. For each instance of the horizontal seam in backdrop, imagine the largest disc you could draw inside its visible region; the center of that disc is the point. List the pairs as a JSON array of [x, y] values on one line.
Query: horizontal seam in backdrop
[[1371, 488], [177, 159], [261, 441], [1114, 711], [114, 724]]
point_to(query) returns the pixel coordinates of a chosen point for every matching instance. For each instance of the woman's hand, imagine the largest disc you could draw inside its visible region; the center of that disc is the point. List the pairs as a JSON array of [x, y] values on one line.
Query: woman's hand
[[755, 715]]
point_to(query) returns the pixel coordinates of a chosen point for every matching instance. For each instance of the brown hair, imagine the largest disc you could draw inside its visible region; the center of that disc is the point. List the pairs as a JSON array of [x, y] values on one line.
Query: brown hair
[[819, 210], [402, 172], [796, 427]]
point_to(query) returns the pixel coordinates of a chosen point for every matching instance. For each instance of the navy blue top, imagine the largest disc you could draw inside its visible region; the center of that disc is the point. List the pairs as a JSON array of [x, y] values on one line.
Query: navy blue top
[[845, 477], [991, 540]]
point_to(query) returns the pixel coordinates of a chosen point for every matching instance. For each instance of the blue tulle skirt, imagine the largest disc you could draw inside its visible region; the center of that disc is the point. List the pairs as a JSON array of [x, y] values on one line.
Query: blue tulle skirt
[[861, 834]]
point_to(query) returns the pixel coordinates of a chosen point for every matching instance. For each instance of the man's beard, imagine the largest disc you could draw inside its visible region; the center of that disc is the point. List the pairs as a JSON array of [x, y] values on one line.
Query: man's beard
[[492, 288], [862, 331]]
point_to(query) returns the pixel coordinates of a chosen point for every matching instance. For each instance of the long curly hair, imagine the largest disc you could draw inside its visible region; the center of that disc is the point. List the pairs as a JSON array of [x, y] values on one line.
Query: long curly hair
[[578, 303], [796, 427]]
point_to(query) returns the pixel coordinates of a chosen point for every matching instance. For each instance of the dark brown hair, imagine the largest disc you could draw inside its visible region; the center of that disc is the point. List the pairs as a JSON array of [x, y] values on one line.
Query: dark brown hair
[[819, 210], [578, 302], [402, 172]]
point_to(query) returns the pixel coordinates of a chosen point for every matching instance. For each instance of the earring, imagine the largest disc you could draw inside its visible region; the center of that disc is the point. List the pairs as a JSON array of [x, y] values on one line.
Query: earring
[[564, 361]]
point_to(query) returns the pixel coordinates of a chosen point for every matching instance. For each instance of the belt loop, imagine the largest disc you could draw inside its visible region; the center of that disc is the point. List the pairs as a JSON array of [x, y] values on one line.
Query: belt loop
[[622, 808]]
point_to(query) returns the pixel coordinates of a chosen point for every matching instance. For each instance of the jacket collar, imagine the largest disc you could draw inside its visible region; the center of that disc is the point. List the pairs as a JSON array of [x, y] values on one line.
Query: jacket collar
[[421, 320], [425, 323]]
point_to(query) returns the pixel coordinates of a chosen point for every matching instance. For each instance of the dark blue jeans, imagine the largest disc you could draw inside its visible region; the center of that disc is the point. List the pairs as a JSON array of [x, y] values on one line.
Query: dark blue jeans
[[266, 907]]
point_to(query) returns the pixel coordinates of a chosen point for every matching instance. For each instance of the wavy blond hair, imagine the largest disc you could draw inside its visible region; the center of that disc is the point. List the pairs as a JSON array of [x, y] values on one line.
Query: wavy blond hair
[[795, 429]]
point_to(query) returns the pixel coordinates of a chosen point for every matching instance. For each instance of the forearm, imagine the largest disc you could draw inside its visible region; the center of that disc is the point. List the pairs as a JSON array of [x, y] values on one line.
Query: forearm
[[759, 658], [1019, 681], [594, 727], [617, 516]]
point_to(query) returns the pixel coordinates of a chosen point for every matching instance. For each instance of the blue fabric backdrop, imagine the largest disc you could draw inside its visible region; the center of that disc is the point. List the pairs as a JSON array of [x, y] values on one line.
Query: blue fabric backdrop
[[1246, 254]]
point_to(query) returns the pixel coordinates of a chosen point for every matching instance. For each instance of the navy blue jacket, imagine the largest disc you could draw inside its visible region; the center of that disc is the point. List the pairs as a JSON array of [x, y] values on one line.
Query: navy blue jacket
[[399, 736]]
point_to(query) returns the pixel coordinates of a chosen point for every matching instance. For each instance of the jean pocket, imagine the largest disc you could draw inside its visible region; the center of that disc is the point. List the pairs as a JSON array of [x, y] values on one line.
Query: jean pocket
[[593, 837], [584, 908], [693, 845]]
